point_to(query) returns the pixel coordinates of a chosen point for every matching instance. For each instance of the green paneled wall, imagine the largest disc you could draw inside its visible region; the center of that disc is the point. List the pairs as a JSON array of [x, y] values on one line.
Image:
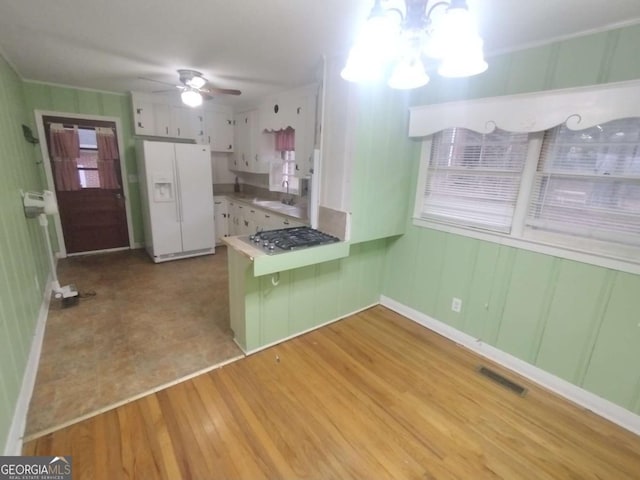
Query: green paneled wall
[[382, 156], [23, 264], [70, 100], [577, 321], [302, 298]]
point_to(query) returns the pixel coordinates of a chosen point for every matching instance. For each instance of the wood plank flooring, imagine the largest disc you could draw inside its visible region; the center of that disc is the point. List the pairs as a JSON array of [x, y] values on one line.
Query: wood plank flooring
[[372, 396]]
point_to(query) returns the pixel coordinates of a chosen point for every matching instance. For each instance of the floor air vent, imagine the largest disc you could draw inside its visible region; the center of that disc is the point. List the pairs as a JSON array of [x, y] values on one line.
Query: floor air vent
[[505, 382]]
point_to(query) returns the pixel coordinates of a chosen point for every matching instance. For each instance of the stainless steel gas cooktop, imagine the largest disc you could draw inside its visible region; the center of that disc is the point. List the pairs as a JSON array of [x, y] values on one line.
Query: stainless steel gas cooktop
[[288, 239]]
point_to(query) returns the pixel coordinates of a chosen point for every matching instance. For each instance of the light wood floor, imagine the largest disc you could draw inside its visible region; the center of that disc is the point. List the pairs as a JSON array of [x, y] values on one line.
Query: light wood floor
[[372, 396]]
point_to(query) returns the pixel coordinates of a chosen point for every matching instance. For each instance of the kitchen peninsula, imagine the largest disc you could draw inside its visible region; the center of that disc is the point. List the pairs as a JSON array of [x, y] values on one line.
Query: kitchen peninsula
[[276, 297]]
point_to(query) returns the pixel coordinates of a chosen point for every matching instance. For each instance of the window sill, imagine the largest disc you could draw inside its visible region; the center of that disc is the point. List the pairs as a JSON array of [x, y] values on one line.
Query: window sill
[[621, 264]]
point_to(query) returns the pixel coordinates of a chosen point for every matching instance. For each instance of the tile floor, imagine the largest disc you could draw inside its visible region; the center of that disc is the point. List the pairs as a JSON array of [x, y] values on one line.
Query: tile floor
[[147, 325]]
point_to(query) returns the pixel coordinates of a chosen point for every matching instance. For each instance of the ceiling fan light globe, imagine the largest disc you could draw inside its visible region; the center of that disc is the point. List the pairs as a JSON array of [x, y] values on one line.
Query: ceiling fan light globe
[[191, 97], [196, 82]]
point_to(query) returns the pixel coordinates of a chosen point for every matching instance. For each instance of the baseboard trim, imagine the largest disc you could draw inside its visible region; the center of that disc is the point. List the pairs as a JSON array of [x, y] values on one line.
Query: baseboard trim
[[264, 347], [16, 431], [598, 405]]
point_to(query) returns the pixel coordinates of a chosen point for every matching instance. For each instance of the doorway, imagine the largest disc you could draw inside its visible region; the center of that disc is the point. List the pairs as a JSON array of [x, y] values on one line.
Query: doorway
[[85, 164]]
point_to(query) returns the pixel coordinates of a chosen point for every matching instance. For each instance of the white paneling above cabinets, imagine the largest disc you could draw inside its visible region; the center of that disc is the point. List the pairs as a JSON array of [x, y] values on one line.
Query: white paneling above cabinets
[[166, 116], [295, 109]]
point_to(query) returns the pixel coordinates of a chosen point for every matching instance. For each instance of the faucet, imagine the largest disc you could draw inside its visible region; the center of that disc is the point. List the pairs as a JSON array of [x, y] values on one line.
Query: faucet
[[289, 200]]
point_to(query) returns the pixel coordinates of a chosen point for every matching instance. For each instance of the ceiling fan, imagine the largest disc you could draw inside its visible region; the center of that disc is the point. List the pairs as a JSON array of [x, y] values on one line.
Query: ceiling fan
[[194, 88]]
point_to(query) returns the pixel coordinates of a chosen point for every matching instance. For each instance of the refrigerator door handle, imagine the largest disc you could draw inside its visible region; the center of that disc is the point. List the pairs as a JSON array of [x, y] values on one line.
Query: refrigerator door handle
[[178, 189]]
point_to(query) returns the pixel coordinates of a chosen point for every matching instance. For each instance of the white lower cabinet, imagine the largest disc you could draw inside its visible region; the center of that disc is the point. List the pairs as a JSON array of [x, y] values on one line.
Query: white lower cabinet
[[241, 218], [221, 218]]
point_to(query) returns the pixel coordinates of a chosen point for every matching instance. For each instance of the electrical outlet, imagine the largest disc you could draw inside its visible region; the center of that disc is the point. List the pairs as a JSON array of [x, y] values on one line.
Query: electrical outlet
[[456, 304]]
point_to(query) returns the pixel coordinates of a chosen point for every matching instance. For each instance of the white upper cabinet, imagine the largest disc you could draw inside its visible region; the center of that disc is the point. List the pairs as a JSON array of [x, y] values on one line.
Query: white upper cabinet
[[166, 116], [219, 129], [305, 120], [144, 119], [254, 149]]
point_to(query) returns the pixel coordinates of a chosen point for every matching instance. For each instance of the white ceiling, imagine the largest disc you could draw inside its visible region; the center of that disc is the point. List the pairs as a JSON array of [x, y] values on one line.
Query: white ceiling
[[257, 46]]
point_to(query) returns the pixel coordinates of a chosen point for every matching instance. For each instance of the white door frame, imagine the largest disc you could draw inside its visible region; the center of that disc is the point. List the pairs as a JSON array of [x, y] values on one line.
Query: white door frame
[[46, 160]]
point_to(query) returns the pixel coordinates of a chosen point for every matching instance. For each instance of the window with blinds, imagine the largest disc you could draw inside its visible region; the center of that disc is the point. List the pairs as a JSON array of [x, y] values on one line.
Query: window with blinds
[[473, 179], [587, 185]]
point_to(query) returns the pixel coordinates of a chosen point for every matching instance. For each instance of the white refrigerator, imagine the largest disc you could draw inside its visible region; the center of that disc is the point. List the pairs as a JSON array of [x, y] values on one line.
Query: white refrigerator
[[177, 199]]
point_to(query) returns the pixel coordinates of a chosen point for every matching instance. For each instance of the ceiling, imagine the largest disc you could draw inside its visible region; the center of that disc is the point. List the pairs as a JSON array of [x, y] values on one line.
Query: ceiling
[[257, 46]]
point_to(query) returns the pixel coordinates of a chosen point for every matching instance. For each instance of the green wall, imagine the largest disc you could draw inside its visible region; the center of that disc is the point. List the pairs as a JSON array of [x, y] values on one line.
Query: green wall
[[23, 263], [263, 313], [70, 100], [577, 321], [382, 164]]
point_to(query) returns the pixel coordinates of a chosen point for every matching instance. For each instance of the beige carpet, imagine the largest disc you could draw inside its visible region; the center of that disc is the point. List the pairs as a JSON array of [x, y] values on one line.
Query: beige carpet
[[148, 325]]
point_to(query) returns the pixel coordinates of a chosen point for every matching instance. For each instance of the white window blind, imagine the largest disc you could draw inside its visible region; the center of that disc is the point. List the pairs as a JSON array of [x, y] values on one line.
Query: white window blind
[[587, 185], [473, 179]]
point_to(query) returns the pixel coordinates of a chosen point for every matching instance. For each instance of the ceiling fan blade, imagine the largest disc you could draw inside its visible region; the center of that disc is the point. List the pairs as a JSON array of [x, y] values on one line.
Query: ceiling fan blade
[[159, 81], [164, 91], [222, 91]]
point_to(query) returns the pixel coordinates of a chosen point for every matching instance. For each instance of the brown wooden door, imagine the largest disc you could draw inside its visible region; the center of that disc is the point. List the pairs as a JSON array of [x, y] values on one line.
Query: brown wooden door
[[93, 218]]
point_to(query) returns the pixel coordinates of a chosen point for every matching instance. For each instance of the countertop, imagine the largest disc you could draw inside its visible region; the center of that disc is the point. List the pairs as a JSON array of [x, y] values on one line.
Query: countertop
[[296, 212], [264, 264]]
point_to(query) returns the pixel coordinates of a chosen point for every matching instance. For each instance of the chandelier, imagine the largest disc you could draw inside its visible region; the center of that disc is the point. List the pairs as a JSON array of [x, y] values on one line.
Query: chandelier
[[401, 37]]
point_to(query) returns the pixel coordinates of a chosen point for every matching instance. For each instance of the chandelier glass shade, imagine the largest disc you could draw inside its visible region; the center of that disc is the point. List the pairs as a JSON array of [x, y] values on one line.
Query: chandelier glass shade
[[401, 37]]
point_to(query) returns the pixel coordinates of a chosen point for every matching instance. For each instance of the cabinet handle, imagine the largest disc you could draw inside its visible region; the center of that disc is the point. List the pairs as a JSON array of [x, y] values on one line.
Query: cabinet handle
[[217, 203], [286, 222], [246, 223], [138, 111], [178, 131], [140, 125], [166, 129], [297, 168], [246, 163], [209, 138], [230, 147], [229, 122], [298, 110], [256, 158], [267, 216], [252, 211]]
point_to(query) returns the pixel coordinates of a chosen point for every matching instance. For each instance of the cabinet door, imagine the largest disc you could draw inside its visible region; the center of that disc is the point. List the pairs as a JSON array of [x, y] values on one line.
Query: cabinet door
[[220, 130], [231, 209], [305, 112], [195, 125], [162, 118], [180, 125], [237, 161], [221, 218], [144, 121]]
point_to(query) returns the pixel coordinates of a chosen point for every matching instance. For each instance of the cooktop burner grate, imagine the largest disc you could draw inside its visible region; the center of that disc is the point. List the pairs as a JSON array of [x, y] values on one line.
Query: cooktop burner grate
[[287, 239]]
